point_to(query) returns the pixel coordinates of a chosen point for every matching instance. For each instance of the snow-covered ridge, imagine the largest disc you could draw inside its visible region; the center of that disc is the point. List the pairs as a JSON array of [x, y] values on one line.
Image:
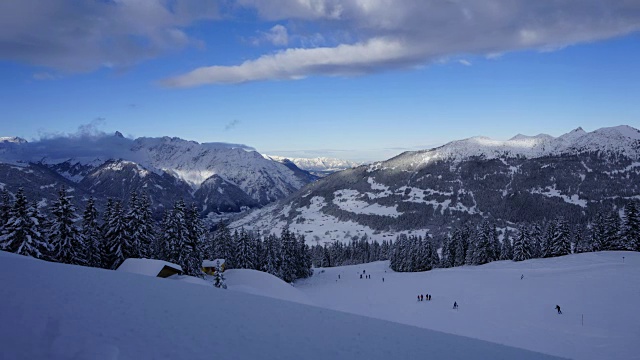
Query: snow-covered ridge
[[12, 139], [618, 140], [316, 164]]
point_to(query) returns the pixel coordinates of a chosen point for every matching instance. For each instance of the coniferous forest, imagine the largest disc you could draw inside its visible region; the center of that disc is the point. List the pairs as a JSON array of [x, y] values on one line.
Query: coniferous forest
[[60, 233]]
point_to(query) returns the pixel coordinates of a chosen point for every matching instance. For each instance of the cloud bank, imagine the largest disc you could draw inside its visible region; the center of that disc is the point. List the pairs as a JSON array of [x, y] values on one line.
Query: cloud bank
[[405, 33], [320, 37]]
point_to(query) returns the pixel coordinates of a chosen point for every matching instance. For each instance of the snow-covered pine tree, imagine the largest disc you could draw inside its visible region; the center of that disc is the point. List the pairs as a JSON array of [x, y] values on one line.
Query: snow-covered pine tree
[[459, 244], [435, 259], [302, 259], [581, 243], [192, 264], [140, 227], [245, 252], [288, 264], [612, 232], [546, 248], [483, 249], [598, 233], [561, 243], [631, 227], [116, 238], [175, 234], [495, 243], [92, 235], [223, 245], [23, 232], [5, 209], [67, 243], [536, 240], [448, 252], [272, 255], [218, 276], [521, 245], [506, 248]]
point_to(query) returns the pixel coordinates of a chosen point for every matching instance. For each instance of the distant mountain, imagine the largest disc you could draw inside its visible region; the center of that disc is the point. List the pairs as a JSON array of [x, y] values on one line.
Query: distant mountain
[[320, 166], [220, 177], [526, 178]]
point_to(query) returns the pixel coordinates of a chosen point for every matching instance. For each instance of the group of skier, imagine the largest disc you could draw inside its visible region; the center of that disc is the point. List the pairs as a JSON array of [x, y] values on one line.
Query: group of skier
[[426, 297]]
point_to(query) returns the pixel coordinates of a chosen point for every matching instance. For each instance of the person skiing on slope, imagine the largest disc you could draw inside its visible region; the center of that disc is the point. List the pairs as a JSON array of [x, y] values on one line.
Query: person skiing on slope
[[521, 276], [455, 305], [558, 308]]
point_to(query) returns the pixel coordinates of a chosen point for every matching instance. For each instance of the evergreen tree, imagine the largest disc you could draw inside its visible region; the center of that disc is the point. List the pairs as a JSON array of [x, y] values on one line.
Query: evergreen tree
[[483, 251], [67, 243], [631, 227], [92, 235], [5, 210], [598, 233], [245, 251], [581, 243], [521, 245], [288, 264], [223, 245], [547, 240], [536, 240], [116, 239], [506, 248], [448, 252], [192, 263], [561, 242], [459, 242], [218, 276], [140, 229], [272, 255], [612, 232], [23, 230]]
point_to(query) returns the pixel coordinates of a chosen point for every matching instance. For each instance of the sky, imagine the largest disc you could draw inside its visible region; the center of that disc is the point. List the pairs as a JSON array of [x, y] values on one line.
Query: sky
[[361, 80]]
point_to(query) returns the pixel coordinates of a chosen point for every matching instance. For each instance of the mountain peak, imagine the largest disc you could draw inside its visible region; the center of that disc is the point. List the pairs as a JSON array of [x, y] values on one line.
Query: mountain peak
[[12, 139], [118, 134]]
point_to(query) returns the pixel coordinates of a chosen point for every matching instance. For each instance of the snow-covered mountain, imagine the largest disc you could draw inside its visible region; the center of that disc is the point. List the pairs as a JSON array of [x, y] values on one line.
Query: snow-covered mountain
[[320, 166], [521, 179], [224, 177]]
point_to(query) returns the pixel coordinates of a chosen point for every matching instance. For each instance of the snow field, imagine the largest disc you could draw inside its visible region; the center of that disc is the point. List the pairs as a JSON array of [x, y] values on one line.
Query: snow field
[[497, 306], [57, 311]]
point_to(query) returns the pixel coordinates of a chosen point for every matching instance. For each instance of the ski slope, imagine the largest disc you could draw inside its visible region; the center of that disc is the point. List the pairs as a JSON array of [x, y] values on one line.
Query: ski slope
[[497, 306], [57, 311]]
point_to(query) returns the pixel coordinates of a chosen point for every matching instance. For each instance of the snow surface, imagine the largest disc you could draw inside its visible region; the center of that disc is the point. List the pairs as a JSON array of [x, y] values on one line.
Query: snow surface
[[260, 283], [57, 311], [324, 164], [496, 305], [149, 267]]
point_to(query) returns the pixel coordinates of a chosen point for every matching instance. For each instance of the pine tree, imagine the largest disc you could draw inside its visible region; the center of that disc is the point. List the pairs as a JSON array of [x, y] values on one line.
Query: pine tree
[[612, 232], [67, 243], [561, 242], [5, 210], [459, 242], [598, 233], [245, 251], [483, 251], [288, 265], [116, 238], [631, 227], [92, 235], [581, 243], [140, 229], [23, 232], [223, 245], [536, 241], [547, 240], [506, 248], [218, 279], [448, 252], [192, 264], [521, 245], [272, 255]]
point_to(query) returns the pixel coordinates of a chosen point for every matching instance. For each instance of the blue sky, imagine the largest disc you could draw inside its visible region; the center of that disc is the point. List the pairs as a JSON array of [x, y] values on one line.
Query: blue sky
[[304, 78]]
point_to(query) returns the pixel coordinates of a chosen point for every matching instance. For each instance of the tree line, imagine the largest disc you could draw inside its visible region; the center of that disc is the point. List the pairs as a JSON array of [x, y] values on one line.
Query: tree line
[[130, 231]]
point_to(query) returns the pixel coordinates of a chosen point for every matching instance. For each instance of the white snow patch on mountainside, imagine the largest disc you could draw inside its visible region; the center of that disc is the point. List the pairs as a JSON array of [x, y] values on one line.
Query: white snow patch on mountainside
[[348, 200], [324, 164], [617, 140]]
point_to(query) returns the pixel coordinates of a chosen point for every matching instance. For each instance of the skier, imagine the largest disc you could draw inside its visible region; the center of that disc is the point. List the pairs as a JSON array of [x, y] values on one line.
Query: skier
[[429, 297], [521, 276], [360, 276], [421, 297], [338, 276], [418, 297], [382, 279], [558, 308], [455, 305]]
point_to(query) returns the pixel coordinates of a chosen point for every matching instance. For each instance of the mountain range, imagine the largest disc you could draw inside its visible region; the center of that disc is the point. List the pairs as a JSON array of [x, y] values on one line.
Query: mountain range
[[523, 179], [219, 177]]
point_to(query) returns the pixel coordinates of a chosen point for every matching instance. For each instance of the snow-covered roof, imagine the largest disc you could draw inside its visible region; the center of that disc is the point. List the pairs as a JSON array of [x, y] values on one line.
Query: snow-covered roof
[[212, 263], [149, 267]]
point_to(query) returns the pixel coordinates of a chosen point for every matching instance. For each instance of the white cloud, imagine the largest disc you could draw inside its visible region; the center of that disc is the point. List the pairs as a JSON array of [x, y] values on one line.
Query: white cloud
[[75, 36], [278, 35], [298, 63], [408, 33], [465, 62]]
